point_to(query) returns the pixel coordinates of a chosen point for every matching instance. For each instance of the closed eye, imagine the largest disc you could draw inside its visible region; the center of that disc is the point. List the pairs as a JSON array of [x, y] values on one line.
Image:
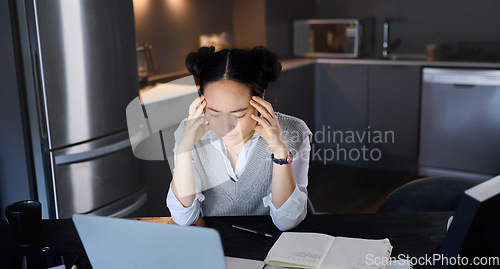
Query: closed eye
[[217, 115]]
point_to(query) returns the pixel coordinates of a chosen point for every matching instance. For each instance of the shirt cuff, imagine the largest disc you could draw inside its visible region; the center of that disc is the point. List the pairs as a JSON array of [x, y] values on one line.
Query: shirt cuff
[[291, 213], [184, 215]]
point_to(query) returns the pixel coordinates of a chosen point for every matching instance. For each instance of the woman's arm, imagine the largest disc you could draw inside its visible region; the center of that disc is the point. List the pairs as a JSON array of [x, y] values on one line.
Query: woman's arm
[[283, 181], [183, 184], [294, 210]]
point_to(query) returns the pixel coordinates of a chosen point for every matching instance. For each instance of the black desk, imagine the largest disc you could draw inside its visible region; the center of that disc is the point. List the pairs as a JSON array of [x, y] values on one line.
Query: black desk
[[413, 234]]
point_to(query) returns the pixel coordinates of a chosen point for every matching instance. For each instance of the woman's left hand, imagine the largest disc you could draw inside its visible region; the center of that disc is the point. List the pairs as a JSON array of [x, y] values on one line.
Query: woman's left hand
[[269, 127]]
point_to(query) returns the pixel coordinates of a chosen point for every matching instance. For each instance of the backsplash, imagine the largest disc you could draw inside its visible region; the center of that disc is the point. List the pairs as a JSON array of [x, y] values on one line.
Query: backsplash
[[419, 22], [423, 22]]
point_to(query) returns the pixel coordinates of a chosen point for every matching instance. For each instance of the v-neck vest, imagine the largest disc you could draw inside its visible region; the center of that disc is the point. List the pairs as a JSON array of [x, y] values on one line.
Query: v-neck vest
[[226, 197]]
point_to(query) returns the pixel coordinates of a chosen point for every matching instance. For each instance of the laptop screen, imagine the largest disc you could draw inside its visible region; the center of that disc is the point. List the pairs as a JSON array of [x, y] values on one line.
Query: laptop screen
[[124, 243]]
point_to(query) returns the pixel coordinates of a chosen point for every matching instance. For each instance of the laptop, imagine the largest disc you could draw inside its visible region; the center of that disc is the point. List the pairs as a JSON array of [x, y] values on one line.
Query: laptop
[[125, 243]]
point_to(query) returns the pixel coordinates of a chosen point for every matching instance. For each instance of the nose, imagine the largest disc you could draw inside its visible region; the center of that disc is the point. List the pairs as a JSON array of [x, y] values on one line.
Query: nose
[[228, 123]]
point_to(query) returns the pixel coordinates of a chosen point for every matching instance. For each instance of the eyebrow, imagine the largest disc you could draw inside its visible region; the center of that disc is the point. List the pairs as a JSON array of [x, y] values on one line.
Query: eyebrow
[[234, 111]]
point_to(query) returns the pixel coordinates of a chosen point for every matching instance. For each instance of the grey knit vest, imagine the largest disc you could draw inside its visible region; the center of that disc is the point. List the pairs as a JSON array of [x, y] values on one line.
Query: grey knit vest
[[244, 196]]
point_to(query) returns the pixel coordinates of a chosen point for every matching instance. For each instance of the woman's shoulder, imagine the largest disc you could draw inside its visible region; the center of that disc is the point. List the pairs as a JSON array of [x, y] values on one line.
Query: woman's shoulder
[[291, 122]]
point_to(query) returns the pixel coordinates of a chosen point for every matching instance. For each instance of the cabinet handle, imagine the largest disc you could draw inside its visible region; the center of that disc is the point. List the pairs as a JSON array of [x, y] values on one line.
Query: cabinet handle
[[465, 86]]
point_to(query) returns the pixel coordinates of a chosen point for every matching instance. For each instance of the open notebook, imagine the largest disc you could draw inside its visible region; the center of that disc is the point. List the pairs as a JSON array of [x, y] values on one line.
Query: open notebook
[[124, 243], [315, 250]]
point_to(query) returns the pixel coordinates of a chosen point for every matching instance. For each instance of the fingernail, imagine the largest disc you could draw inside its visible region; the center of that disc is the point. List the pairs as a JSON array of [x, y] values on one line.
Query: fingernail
[[252, 101], [255, 97]]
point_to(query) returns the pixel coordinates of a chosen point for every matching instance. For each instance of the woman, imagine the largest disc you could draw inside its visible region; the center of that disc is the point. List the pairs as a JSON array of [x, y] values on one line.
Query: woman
[[234, 154]]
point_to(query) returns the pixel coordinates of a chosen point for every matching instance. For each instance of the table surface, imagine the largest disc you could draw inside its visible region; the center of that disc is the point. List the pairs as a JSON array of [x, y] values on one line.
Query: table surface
[[413, 234]]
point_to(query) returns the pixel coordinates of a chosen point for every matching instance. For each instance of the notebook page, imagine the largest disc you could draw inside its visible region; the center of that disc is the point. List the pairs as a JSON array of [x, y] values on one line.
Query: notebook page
[[304, 249], [357, 253]]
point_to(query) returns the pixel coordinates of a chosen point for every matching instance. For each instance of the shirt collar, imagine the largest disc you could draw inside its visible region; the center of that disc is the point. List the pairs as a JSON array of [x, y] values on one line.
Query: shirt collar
[[213, 139]]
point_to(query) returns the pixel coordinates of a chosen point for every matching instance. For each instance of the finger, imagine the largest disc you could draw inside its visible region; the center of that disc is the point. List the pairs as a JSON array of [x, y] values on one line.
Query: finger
[[265, 113], [262, 121], [194, 123], [265, 104], [199, 110], [258, 128], [195, 104]]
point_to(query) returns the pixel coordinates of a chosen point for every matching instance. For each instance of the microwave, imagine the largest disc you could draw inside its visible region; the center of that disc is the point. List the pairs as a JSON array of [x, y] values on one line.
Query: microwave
[[341, 38]]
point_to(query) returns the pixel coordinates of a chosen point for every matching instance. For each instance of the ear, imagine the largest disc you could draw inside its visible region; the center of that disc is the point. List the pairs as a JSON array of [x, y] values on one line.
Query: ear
[[264, 94]]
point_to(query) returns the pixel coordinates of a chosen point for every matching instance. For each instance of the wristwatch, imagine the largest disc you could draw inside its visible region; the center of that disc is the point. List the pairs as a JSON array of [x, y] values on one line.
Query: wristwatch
[[288, 160]]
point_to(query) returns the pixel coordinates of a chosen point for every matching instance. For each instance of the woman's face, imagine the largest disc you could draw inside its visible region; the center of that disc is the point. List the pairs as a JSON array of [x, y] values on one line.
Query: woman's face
[[228, 110]]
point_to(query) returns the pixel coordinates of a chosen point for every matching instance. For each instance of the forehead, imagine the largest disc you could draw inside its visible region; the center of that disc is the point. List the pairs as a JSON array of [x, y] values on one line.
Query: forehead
[[227, 95]]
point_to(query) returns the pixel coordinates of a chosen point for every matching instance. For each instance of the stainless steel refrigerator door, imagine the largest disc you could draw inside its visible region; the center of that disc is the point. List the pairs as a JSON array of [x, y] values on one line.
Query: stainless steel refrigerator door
[[94, 176], [88, 68]]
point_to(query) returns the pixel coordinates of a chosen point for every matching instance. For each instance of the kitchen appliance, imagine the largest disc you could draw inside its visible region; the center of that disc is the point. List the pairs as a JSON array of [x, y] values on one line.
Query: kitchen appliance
[[460, 123], [146, 64], [79, 71], [344, 38]]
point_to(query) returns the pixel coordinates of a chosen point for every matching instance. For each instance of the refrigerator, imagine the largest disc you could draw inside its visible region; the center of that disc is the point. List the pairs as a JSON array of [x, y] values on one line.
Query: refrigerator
[[78, 69]]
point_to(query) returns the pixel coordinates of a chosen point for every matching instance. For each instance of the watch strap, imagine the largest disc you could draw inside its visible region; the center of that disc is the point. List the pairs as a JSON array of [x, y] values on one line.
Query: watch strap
[[287, 160]]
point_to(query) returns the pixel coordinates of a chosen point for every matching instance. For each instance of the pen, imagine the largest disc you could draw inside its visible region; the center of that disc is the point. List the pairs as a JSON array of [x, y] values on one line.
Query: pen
[[252, 231]]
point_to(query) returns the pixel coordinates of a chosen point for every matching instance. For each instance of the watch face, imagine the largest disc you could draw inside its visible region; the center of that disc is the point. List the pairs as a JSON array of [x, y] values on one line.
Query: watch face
[[290, 158]]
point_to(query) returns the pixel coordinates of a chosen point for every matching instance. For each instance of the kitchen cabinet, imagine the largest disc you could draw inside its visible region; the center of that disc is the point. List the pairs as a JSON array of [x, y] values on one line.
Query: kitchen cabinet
[[293, 93], [367, 115], [341, 101], [360, 114], [393, 112]]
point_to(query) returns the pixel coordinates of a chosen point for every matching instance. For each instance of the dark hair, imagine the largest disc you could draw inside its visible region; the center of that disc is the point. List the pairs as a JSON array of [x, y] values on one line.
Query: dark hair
[[255, 68]]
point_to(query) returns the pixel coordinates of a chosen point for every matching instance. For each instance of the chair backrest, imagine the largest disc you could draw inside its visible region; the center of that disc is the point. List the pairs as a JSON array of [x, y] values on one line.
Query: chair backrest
[[427, 195]]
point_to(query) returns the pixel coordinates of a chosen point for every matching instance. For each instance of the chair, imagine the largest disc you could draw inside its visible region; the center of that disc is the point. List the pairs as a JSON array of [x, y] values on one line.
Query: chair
[[429, 194], [310, 207]]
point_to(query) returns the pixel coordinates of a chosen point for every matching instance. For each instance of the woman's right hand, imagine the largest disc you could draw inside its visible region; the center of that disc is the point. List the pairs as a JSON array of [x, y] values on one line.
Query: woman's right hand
[[195, 128]]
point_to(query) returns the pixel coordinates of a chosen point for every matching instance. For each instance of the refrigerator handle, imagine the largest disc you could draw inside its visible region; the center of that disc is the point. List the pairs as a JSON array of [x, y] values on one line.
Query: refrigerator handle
[[92, 154], [132, 208], [39, 93]]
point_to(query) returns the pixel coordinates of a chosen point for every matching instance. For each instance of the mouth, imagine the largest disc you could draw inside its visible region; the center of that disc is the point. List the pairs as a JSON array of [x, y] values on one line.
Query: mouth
[[228, 137]]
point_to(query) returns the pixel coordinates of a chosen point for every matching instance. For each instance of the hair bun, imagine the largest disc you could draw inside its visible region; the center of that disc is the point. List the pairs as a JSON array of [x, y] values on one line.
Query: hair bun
[[269, 62], [196, 60]]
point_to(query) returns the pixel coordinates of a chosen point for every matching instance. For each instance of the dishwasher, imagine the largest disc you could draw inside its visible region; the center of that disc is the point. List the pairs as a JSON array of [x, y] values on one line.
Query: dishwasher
[[460, 123]]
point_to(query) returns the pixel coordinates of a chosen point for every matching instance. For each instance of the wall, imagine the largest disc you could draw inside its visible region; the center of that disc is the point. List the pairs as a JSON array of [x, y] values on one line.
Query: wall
[[280, 15], [14, 178], [423, 22], [249, 23], [173, 27]]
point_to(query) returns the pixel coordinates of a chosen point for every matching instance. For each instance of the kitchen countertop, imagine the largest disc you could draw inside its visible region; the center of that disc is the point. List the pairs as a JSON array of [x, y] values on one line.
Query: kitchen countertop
[[293, 63], [298, 62]]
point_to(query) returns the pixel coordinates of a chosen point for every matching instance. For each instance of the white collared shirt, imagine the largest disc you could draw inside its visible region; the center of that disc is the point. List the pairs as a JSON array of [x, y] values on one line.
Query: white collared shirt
[[289, 215]]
